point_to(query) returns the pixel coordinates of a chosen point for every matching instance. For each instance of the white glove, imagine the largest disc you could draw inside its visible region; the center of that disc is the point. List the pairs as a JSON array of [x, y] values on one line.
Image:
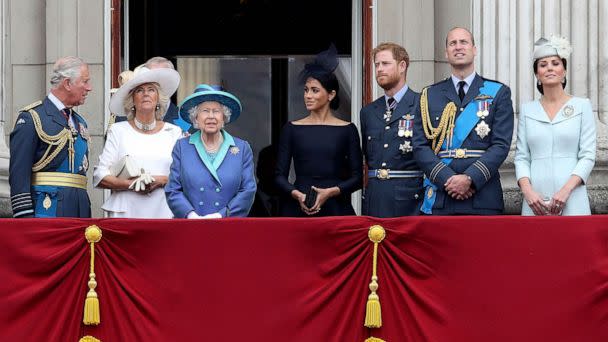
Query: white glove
[[193, 215], [213, 216], [139, 184]]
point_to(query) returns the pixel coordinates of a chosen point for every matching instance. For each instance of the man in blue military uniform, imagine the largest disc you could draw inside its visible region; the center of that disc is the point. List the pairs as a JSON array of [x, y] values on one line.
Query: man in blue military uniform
[[394, 181], [463, 131], [49, 148]]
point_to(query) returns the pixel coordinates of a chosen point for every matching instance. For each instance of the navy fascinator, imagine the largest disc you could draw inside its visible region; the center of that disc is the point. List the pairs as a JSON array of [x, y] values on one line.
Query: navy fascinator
[[324, 64]]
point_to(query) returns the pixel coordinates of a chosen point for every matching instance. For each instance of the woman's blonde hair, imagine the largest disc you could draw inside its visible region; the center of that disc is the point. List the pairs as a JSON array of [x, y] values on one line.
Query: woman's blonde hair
[[161, 105]]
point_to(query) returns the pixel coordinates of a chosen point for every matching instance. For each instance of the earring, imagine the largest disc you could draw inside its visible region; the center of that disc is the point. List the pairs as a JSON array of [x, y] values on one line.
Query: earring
[[538, 82], [157, 106], [133, 109], [564, 82]]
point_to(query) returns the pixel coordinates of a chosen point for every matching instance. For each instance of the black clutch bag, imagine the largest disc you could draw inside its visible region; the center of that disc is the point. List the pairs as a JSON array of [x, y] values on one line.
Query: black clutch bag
[[311, 198]]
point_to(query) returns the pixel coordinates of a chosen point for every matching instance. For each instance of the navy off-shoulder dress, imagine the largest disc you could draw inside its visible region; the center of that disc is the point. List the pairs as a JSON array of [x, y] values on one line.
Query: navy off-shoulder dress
[[324, 156]]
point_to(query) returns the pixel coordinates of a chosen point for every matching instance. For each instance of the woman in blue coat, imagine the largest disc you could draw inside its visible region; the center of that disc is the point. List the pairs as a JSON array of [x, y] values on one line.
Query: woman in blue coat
[[212, 174], [556, 139]]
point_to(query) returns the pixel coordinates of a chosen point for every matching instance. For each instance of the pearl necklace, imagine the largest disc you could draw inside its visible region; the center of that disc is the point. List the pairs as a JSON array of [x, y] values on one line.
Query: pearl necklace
[[210, 148], [146, 127]]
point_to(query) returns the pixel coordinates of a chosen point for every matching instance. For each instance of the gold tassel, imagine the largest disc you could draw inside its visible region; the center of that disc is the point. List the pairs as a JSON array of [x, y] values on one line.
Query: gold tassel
[[374, 339], [91, 304], [89, 339], [373, 313]]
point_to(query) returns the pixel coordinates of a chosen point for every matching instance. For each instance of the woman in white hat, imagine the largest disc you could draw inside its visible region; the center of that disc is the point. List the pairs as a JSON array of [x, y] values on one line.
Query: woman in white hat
[[136, 157], [556, 139], [212, 174]]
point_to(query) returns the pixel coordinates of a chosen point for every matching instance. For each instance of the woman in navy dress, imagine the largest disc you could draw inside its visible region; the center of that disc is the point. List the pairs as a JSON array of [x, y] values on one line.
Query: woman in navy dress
[[325, 150]]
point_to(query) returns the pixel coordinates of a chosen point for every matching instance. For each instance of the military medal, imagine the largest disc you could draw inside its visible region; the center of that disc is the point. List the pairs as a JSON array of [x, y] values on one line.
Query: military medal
[[234, 150], [482, 129], [405, 147], [486, 109], [409, 124], [568, 111], [72, 128], [401, 131], [85, 163], [46, 204], [84, 132], [482, 109], [387, 115], [479, 109]]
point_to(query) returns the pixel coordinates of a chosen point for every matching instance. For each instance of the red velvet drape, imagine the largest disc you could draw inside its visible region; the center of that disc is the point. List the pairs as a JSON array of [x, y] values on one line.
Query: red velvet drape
[[440, 279]]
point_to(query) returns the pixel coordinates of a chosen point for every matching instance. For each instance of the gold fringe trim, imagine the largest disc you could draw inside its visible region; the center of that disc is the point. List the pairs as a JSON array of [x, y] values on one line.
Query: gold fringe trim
[[89, 339], [374, 339], [373, 312], [91, 304]]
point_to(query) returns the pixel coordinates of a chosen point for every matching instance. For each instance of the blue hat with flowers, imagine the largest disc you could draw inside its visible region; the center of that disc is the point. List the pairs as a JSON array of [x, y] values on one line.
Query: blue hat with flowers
[[205, 92]]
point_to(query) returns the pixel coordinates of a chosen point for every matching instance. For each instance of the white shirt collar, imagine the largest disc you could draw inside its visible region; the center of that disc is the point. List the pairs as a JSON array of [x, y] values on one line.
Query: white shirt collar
[[56, 101], [468, 80], [398, 96]]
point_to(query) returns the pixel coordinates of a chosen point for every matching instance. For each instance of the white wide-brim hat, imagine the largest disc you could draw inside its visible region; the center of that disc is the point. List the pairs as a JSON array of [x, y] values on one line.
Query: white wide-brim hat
[[167, 79]]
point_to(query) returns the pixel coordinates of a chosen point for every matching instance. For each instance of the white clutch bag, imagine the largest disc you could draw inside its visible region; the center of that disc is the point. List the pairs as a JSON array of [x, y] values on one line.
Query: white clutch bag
[[125, 168]]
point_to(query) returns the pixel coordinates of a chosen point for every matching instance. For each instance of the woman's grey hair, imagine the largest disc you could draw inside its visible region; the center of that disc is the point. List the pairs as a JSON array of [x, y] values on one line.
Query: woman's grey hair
[[193, 113], [66, 67], [163, 102]]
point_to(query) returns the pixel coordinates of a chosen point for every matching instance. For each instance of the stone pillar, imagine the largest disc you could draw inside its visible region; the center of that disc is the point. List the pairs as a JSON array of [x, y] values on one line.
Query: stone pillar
[[4, 152], [37, 33]]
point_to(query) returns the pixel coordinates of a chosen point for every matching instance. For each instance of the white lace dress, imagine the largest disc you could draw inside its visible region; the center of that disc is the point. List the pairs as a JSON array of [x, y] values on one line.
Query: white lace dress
[[152, 152]]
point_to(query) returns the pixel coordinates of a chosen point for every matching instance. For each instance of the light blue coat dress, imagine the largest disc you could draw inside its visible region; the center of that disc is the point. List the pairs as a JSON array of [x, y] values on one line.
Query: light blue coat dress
[[549, 152], [225, 185]]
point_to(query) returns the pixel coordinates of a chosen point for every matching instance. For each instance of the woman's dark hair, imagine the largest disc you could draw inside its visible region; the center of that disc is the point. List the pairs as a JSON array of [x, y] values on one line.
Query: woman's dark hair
[[329, 82], [539, 86], [322, 70]]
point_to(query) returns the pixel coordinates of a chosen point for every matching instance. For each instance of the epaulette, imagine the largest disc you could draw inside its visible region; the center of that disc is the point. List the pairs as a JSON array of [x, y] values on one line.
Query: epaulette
[[440, 81], [30, 106], [491, 80]]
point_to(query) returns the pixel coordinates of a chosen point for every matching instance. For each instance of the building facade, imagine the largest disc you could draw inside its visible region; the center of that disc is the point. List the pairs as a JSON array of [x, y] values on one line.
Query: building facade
[[34, 33]]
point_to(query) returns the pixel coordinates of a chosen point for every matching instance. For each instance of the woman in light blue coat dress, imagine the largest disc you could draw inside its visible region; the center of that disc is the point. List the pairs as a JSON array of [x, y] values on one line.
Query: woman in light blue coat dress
[[212, 173], [556, 139]]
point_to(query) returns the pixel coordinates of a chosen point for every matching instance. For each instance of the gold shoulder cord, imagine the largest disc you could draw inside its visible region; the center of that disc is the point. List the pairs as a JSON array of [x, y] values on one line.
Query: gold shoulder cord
[[446, 124], [59, 140]]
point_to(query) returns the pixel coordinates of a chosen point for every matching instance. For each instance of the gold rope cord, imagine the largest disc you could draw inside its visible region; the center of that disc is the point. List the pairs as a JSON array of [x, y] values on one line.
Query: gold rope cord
[[91, 304], [59, 140], [373, 313], [446, 123]]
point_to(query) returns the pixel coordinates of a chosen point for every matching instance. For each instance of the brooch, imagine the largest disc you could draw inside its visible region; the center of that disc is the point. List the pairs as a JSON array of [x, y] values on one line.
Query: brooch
[[568, 110], [406, 147], [234, 150], [482, 129]]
